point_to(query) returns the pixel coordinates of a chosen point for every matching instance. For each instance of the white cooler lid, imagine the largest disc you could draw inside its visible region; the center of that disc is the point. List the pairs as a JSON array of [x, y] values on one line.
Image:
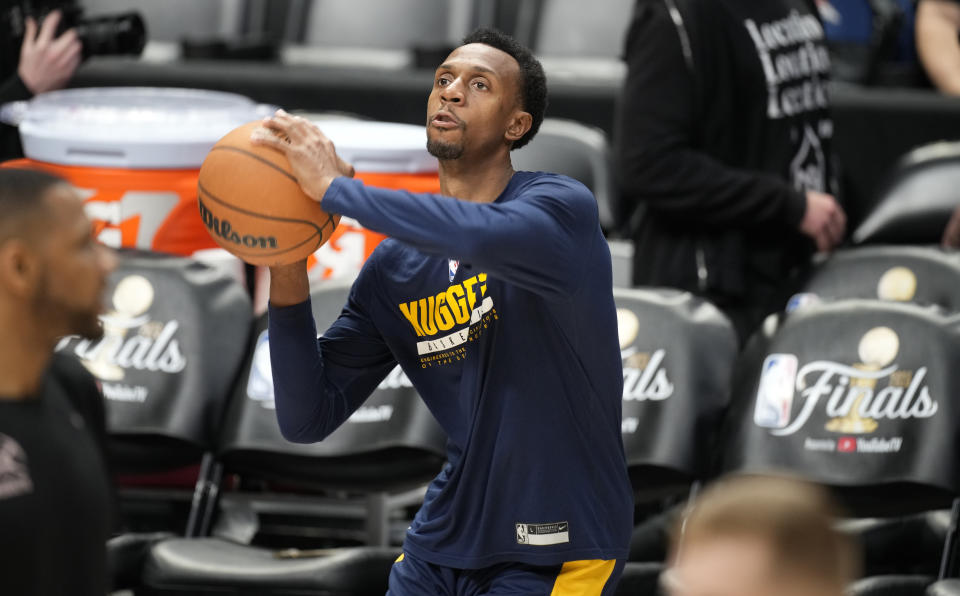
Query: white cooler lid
[[380, 147], [132, 127]]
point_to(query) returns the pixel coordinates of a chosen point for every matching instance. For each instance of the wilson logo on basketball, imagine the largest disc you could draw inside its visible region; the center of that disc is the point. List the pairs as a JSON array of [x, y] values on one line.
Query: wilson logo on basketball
[[224, 229]]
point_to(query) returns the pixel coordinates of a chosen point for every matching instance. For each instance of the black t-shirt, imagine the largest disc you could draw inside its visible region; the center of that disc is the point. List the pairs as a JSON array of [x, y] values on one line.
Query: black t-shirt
[[55, 497]]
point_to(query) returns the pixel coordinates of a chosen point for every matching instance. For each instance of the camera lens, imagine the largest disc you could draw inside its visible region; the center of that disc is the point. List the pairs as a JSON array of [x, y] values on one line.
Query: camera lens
[[115, 34]]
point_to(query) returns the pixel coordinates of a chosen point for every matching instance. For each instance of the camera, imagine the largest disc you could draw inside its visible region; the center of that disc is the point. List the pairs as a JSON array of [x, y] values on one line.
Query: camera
[[115, 34]]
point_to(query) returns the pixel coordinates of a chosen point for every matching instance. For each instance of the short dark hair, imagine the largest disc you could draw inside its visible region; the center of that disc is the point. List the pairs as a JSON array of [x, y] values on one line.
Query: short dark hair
[[533, 82], [21, 191]]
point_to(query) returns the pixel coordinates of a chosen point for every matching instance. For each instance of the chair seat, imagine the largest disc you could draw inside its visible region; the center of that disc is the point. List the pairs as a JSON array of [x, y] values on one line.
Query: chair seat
[[125, 556], [890, 585], [904, 545], [946, 587], [191, 566]]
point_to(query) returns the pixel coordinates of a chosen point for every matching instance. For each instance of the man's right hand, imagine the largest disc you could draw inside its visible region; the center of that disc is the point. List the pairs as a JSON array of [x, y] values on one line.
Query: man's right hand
[[48, 62], [824, 221]]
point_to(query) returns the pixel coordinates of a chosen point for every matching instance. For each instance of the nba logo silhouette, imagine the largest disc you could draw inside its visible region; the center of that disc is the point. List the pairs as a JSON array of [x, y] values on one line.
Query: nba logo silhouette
[[521, 533], [775, 391], [454, 265]]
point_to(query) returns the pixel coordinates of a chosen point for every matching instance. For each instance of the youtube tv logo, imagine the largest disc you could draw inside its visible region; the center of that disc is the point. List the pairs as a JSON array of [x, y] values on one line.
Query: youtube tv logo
[[846, 445]]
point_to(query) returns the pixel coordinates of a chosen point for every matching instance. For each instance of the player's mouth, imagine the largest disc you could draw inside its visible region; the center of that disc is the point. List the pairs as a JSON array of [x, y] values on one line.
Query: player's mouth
[[445, 120]]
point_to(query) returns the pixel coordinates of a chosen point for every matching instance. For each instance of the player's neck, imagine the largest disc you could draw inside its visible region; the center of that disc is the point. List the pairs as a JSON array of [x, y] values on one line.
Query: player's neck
[[24, 354], [475, 181]]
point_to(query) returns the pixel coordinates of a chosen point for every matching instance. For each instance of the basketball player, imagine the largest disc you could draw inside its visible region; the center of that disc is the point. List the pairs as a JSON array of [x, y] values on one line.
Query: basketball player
[[55, 499], [496, 300], [753, 536]]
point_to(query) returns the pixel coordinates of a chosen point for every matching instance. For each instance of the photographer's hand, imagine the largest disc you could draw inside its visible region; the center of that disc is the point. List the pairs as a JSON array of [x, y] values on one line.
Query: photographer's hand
[[48, 62]]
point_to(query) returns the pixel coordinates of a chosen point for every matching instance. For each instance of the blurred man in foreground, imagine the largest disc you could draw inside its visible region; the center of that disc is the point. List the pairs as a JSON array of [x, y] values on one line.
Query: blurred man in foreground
[[755, 536], [55, 496]]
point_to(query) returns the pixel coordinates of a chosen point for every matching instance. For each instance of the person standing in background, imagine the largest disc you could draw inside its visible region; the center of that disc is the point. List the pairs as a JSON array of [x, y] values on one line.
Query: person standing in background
[[724, 145]]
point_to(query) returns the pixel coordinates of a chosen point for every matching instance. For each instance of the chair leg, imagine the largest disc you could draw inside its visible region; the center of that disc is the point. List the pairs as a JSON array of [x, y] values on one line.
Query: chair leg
[[685, 514], [948, 560], [213, 498], [378, 519], [200, 490]]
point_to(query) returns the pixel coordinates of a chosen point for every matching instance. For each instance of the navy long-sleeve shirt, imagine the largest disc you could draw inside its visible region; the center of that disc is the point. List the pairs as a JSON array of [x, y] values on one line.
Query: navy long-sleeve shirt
[[514, 350]]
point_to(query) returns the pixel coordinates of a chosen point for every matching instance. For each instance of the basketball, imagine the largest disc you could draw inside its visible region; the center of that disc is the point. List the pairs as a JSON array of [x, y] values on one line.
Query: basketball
[[252, 206]]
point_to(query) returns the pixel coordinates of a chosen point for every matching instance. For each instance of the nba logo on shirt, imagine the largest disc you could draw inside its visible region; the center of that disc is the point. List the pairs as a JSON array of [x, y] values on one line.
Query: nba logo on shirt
[[521, 533], [775, 392], [454, 265]]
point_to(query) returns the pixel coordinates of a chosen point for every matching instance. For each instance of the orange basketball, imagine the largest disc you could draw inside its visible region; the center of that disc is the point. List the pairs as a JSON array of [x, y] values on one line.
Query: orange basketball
[[253, 207]]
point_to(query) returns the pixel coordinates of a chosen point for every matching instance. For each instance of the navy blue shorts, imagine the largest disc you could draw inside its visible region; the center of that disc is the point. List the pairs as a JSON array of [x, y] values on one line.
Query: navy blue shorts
[[413, 577]]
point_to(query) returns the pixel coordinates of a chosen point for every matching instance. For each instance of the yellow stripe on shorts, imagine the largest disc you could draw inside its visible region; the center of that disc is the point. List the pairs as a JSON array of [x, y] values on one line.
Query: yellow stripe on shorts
[[400, 558], [583, 578]]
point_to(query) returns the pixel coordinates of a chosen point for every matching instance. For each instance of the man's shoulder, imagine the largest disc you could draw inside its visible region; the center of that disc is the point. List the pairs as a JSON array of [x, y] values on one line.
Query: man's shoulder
[[531, 182], [561, 191], [68, 371], [78, 385]]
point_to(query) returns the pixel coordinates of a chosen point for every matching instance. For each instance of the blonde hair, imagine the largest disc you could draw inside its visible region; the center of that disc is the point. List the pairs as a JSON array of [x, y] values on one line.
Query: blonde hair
[[794, 518]]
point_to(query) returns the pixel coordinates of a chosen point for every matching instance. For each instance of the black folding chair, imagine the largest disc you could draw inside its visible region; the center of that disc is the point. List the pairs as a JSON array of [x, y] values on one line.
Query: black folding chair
[[916, 202], [925, 275], [855, 395], [678, 353], [289, 517]]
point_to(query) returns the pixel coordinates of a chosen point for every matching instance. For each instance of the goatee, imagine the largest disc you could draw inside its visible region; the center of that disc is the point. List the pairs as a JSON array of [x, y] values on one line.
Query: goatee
[[444, 151]]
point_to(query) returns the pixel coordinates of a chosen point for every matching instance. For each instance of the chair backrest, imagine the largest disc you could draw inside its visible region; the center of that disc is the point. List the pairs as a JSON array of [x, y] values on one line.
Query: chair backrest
[[392, 440], [174, 339], [678, 353], [569, 28], [399, 24], [576, 150], [855, 395], [621, 257], [920, 195], [923, 275]]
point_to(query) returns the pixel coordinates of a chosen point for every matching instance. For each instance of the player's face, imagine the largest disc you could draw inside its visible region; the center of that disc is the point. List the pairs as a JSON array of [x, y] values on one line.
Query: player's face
[[474, 104], [69, 293]]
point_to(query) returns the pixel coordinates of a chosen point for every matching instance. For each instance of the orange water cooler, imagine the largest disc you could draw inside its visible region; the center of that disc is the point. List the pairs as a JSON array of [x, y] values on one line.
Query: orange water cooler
[[135, 153]]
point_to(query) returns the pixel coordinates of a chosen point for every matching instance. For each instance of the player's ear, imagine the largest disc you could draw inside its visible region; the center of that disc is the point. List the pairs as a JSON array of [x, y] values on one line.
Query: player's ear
[[19, 267], [518, 126]]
